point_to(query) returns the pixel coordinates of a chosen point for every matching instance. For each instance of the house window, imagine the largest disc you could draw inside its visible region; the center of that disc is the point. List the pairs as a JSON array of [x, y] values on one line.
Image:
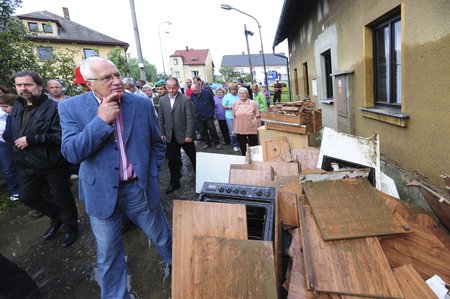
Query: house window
[[326, 61], [194, 74], [90, 53], [175, 61], [47, 28], [387, 61], [45, 53], [177, 74], [305, 78], [33, 26]]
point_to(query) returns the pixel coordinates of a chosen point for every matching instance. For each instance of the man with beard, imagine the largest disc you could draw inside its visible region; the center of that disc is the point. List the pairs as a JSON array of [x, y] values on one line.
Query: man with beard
[[36, 134]]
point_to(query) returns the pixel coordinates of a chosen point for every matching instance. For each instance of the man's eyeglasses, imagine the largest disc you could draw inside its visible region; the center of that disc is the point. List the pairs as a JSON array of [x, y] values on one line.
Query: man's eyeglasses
[[108, 78]]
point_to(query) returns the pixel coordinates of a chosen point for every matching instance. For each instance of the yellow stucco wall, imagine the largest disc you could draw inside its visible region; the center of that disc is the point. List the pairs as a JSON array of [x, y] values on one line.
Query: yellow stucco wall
[[421, 147]]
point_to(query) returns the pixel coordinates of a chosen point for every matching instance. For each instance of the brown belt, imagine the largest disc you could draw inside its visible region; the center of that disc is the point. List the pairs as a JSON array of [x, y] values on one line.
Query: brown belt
[[132, 180]]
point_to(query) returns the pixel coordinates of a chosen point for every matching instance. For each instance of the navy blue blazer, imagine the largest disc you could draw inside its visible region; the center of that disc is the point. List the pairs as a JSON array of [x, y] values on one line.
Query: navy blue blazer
[[89, 141]]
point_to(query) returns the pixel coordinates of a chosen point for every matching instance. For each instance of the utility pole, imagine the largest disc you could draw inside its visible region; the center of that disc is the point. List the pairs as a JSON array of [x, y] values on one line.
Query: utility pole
[[247, 33], [138, 42]]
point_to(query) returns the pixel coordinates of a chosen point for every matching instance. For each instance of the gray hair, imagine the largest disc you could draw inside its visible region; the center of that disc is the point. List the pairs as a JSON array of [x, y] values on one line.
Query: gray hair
[[243, 89], [86, 66], [147, 86], [129, 81]]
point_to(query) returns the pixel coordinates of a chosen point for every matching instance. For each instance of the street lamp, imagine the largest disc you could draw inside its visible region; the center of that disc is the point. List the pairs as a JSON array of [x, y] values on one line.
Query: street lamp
[[229, 7], [160, 43]]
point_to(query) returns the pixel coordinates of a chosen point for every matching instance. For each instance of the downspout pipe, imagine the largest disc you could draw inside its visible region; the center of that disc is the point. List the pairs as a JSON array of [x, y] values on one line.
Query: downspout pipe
[[287, 69]]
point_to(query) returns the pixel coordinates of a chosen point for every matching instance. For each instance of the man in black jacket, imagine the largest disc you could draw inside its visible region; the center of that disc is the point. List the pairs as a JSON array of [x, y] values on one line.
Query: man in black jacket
[[37, 152]]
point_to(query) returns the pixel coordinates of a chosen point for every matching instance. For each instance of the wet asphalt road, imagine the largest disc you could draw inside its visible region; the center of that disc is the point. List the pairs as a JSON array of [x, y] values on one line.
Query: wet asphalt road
[[70, 272]]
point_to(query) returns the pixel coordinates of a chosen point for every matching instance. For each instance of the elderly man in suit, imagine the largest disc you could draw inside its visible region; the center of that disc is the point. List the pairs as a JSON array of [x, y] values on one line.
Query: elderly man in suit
[[115, 137], [177, 122]]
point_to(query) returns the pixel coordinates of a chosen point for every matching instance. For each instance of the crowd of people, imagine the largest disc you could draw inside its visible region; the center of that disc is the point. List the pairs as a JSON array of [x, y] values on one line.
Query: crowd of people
[[116, 135]]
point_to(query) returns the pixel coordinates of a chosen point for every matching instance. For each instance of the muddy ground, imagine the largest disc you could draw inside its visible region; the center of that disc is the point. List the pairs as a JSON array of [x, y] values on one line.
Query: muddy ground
[[70, 272]]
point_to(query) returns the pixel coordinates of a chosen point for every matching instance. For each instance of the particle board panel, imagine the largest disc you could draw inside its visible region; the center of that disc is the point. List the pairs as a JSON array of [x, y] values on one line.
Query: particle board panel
[[282, 127], [295, 140], [411, 284], [287, 203], [351, 208], [229, 268], [193, 218], [355, 267], [254, 177], [276, 149], [422, 249], [307, 157]]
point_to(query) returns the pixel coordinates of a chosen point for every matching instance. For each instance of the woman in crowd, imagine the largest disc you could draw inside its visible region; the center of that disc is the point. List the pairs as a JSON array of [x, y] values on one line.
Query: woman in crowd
[[220, 114], [267, 95], [259, 98], [227, 103], [246, 120]]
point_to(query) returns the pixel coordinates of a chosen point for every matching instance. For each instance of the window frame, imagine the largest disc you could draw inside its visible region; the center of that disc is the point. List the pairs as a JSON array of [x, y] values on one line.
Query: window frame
[[47, 28], [89, 50], [33, 24], [393, 100], [44, 53], [327, 71]]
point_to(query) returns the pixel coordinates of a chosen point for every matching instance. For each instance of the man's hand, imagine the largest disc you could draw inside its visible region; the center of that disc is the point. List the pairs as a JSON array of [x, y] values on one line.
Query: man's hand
[[109, 108], [21, 143], [187, 140], [163, 138]]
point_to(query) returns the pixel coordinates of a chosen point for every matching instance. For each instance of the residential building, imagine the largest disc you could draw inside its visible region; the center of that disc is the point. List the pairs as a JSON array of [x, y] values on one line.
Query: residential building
[[377, 67], [53, 33], [275, 65], [189, 63]]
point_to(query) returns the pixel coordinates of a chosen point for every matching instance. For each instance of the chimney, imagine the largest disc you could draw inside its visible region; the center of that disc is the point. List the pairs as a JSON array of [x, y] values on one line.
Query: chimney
[[187, 48], [66, 13]]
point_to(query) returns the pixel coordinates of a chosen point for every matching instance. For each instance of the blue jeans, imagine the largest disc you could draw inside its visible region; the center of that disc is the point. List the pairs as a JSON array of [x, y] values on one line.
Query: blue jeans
[[112, 270], [234, 141], [8, 169]]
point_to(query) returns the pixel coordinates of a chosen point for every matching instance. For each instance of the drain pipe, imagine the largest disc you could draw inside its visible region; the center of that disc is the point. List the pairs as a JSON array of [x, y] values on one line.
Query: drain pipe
[[287, 69]]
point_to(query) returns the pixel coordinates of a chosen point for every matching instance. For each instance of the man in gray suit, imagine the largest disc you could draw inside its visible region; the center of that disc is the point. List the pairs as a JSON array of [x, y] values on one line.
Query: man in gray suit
[[177, 123]]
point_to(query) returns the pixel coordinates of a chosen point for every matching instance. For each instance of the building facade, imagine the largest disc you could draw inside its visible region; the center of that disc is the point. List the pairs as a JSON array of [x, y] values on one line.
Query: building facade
[[377, 67], [53, 33], [189, 63]]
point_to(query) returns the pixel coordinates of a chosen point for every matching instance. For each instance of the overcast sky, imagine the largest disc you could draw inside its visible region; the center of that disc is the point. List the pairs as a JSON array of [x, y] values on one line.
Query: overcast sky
[[198, 24]]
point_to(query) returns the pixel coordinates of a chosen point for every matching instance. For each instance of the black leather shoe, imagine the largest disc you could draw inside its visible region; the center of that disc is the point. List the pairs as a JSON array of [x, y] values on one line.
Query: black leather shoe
[[52, 230], [172, 187], [70, 237]]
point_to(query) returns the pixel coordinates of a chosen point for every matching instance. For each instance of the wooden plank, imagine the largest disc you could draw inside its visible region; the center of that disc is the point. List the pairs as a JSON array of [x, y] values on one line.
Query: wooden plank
[[411, 284], [302, 118], [193, 218], [302, 129], [351, 208], [290, 108], [276, 150], [287, 203], [295, 140], [254, 177], [278, 248], [354, 267], [280, 168], [316, 121], [335, 175], [287, 184], [228, 268], [307, 157], [422, 249]]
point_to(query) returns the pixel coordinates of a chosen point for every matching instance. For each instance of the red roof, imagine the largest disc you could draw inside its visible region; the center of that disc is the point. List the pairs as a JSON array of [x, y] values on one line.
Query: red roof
[[191, 56]]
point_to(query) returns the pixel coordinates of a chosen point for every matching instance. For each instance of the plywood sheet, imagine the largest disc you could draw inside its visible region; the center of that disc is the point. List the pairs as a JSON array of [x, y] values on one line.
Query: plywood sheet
[[350, 267], [287, 184], [228, 268], [292, 128], [307, 157], [294, 140], [193, 218], [422, 249], [351, 208], [280, 168], [411, 284], [252, 177], [276, 149], [287, 203]]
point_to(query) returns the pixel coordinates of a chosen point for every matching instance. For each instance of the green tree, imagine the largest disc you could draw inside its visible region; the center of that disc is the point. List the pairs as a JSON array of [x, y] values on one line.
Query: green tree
[[230, 74], [150, 70], [115, 55]]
